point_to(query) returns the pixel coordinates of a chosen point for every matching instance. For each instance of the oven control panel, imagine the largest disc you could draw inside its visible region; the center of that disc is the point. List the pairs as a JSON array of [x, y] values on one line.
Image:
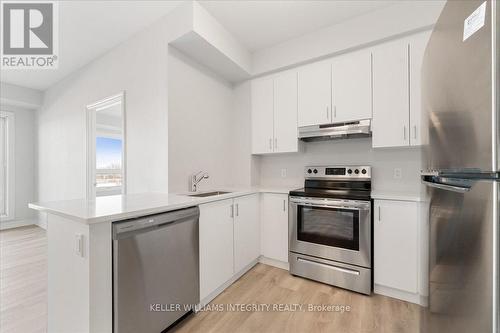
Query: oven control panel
[[338, 172]]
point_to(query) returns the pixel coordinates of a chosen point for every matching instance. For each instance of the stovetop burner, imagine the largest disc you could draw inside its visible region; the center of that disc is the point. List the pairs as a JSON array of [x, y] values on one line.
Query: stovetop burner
[[338, 182], [333, 194]]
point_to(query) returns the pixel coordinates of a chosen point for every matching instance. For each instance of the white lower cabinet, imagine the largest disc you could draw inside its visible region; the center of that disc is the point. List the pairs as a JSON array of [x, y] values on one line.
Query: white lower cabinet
[[246, 231], [274, 226], [396, 245], [229, 240], [216, 245]]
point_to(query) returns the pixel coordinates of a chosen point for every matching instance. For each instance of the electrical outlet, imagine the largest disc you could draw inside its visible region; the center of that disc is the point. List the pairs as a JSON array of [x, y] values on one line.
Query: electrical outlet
[[79, 245], [283, 173], [398, 173]]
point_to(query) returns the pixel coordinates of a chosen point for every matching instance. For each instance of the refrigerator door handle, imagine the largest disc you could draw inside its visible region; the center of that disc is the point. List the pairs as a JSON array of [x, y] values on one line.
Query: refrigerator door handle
[[458, 189]]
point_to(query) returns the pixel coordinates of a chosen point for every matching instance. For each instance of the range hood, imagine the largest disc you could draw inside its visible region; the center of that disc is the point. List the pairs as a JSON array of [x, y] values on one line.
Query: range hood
[[354, 129]]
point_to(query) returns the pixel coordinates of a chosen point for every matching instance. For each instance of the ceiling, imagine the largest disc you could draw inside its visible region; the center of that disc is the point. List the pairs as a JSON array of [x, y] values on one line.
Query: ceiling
[[260, 24], [88, 29]]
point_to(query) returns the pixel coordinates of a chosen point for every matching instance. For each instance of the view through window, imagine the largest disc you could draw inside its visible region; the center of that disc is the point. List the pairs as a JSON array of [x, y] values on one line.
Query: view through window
[[107, 153], [108, 166]]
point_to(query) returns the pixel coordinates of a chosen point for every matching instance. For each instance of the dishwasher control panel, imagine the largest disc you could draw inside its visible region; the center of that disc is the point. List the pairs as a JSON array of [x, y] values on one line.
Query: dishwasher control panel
[[122, 227]]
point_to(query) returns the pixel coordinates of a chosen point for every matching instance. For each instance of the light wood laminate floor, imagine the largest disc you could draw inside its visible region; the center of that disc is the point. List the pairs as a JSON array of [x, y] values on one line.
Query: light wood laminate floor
[[23, 299], [23, 280], [269, 285]]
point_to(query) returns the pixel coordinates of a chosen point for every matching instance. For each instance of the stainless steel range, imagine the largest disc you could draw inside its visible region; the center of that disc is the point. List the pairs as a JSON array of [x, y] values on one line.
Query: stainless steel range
[[330, 227]]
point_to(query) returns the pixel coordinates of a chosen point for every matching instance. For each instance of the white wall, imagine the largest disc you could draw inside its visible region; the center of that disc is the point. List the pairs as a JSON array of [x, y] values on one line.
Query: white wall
[[209, 128], [23, 97], [208, 121], [406, 17], [211, 30], [206, 132], [138, 67], [24, 163], [392, 22], [246, 170], [344, 152], [201, 125]]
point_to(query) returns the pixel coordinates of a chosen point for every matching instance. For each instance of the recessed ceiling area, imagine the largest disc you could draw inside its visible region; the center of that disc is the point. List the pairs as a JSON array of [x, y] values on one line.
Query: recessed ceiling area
[[260, 24]]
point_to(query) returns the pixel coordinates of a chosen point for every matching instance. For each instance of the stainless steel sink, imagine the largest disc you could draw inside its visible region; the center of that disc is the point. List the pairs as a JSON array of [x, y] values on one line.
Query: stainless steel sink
[[208, 194]]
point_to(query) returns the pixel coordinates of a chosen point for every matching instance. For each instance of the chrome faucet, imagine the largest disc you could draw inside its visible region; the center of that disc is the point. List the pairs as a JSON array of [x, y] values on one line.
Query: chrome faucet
[[196, 178]]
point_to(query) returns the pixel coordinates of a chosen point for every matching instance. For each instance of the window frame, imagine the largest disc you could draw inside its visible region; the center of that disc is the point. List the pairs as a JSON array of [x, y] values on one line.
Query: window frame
[[91, 109], [10, 166]]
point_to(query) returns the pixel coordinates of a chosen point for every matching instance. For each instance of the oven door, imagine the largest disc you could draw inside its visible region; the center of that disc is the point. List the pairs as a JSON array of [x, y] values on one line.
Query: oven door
[[332, 229]]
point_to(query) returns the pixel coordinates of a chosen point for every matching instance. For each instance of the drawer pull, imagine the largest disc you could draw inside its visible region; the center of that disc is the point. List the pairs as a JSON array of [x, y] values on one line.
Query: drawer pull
[[340, 269]]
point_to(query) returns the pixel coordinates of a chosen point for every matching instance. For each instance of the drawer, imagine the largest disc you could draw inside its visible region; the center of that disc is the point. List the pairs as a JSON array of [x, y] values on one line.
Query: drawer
[[338, 274]]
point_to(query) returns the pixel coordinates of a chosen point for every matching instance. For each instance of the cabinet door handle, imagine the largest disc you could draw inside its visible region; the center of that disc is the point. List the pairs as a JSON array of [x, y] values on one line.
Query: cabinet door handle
[[415, 129], [284, 205], [270, 144], [237, 209], [276, 143], [379, 213], [232, 211], [327, 113], [404, 133], [335, 111]]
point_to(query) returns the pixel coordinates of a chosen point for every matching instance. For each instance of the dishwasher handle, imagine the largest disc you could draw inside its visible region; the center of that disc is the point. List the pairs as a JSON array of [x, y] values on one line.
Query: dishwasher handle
[[128, 228]]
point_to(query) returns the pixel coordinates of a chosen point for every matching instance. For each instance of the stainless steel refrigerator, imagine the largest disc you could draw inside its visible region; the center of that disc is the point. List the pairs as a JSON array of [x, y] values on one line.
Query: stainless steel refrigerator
[[460, 92]]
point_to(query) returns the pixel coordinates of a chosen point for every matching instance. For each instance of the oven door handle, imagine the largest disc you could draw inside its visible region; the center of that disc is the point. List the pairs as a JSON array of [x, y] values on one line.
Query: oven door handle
[[329, 206], [317, 203]]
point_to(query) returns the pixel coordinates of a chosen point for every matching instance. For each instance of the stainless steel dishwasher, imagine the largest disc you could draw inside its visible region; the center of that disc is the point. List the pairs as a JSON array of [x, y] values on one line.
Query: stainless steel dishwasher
[[155, 270]]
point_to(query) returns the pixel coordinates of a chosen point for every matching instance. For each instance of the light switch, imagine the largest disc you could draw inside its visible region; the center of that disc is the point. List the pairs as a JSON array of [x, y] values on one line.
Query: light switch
[[398, 173], [283, 173], [79, 245]]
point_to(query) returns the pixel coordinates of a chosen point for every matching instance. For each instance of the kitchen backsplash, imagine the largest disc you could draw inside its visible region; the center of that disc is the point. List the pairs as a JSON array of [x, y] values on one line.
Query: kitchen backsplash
[[394, 170]]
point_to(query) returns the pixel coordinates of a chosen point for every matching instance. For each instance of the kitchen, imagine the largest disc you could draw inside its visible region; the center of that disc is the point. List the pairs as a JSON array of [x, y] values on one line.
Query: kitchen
[[263, 165]]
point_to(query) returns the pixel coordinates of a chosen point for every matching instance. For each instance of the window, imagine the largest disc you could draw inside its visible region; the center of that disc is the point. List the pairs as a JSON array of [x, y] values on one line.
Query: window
[[109, 176], [335, 227], [106, 147], [6, 165]]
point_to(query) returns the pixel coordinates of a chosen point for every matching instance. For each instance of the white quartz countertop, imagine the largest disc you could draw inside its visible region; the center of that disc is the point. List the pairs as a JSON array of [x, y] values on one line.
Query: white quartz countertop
[[122, 207], [396, 196]]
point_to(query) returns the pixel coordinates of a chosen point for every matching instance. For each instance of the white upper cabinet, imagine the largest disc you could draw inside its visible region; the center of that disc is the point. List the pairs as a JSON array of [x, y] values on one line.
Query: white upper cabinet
[[391, 95], [315, 100], [418, 123], [246, 231], [262, 115], [382, 84], [285, 113], [337, 90], [274, 114], [352, 86], [398, 118]]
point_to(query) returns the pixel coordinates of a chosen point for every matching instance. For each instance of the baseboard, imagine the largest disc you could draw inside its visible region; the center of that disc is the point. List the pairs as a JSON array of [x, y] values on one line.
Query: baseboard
[[17, 223], [274, 263], [42, 223], [400, 294], [229, 282]]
